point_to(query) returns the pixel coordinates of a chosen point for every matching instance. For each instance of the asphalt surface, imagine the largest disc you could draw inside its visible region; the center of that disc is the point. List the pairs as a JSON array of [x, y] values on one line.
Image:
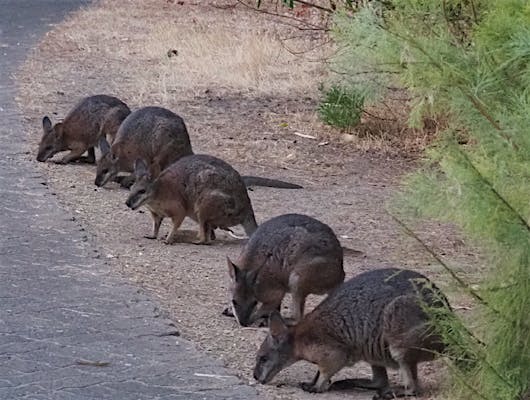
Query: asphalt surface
[[69, 328]]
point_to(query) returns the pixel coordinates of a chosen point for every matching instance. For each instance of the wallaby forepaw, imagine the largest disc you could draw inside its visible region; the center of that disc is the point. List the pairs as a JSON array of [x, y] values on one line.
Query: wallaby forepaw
[[86, 160], [227, 312], [201, 242], [124, 181], [310, 387], [150, 236], [126, 184]]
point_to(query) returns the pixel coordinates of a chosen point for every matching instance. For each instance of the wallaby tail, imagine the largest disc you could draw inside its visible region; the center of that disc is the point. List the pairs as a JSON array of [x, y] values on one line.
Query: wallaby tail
[[259, 181]]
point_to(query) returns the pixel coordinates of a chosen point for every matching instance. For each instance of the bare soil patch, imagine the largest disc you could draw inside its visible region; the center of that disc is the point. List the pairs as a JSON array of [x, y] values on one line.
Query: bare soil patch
[[244, 97]]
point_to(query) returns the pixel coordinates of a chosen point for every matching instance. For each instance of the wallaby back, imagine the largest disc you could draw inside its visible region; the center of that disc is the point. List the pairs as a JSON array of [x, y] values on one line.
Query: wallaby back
[[202, 187], [91, 118], [153, 134], [377, 317], [289, 253]]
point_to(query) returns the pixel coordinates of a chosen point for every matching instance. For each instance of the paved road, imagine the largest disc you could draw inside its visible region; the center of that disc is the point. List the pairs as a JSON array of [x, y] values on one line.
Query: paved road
[[61, 310]]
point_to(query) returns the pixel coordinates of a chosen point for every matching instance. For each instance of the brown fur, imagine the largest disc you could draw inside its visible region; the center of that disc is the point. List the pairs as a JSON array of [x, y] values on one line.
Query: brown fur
[[375, 317], [153, 134], [93, 117], [202, 187], [290, 253]]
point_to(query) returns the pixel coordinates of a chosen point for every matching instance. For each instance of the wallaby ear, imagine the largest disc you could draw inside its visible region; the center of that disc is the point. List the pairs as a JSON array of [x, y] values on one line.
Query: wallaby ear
[[277, 326], [104, 146], [47, 124], [58, 129], [140, 168], [233, 270]]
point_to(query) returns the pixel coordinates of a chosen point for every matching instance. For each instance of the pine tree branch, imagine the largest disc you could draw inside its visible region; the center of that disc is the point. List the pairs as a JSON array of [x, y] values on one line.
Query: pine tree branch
[[482, 110], [459, 280], [474, 11], [490, 186], [457, 373], [474, 101], [318, 7]]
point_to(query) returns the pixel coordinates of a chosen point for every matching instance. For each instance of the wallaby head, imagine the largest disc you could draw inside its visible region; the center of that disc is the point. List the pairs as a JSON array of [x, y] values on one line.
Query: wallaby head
[[52, 140], [107, 168], [244, 300], [142, 189], [276, 351]]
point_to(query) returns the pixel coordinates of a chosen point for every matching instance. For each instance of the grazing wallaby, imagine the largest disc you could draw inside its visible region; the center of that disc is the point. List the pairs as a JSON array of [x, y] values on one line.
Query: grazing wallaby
[[202, 187], [153, 134], [377, 317], [159, 137], [289, 253], [93, 117]]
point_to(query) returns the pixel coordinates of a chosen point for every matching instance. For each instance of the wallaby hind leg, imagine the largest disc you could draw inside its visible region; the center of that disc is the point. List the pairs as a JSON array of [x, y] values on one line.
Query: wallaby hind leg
[[177, 221], [333, 362], [157, 221], [205, 233], [409, 375], [91, 156]]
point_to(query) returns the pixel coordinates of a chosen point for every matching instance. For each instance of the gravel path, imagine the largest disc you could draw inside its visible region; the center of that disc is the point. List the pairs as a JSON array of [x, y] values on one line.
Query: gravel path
[[68, 328]]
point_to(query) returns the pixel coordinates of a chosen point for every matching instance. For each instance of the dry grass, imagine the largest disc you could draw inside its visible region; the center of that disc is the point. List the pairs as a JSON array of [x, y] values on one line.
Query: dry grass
[[234, 85]]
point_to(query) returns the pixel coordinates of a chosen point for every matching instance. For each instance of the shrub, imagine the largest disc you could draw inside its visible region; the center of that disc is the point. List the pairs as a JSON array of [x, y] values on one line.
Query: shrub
[[341, 107], [470, 60]]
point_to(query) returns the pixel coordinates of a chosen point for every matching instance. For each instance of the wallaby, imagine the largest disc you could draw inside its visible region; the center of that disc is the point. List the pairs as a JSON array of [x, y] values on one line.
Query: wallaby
[[93, 117], [159, 137], [290, 253], [378, 317], [153, 134], [202, 187]]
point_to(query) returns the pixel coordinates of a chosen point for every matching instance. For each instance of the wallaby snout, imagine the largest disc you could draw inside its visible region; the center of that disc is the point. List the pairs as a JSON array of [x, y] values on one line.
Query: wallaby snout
[[103, 178], [45, 154], [129, 203], [137, 199], [48, 145], [99, 181], [107, 168], [277, 351]]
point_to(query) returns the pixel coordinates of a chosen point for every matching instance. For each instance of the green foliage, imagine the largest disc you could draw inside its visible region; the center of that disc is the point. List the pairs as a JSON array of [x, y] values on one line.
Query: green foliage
[[469, 60], [341, 106]]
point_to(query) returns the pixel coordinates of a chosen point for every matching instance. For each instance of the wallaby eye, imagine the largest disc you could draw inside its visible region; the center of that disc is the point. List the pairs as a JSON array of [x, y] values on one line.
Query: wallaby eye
[[263, 359], [141, 191]]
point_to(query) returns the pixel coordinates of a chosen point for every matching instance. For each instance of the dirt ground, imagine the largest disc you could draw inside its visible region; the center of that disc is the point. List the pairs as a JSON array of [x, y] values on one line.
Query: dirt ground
[[245, 95]]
